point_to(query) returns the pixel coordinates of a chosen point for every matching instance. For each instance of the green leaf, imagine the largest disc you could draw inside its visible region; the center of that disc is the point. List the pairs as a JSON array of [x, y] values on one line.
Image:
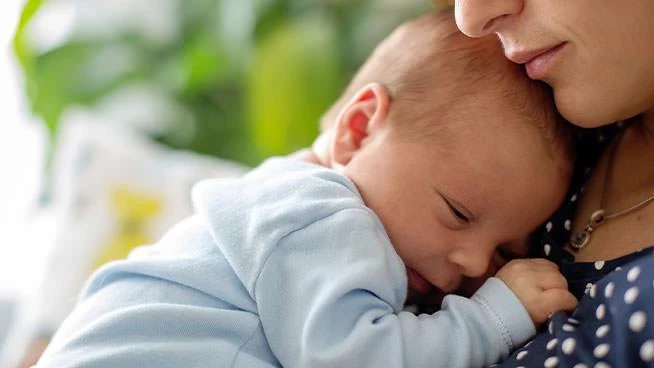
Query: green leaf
[[296, 74]]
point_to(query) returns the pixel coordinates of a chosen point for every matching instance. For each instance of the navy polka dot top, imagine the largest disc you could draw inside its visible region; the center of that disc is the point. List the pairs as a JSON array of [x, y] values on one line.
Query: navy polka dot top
[[613, 325]]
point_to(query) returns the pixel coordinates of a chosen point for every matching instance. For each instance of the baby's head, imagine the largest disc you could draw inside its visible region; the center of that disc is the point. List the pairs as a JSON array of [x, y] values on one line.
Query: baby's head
[[452, 146]]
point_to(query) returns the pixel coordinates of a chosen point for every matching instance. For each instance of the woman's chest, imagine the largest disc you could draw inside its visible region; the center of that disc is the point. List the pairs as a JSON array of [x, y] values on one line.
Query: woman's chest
[[614, 237], [626, 200]]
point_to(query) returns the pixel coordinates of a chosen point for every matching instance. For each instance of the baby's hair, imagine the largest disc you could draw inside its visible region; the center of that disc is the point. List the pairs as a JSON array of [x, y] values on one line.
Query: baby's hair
[[432, 72], [442, 3]]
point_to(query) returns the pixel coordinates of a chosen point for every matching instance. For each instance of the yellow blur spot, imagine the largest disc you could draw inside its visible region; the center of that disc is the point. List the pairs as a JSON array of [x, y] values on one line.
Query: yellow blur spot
[[134, 210]]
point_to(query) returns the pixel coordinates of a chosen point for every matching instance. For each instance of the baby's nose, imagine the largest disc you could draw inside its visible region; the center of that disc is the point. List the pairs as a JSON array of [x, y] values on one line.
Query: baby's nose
[[473, 263]]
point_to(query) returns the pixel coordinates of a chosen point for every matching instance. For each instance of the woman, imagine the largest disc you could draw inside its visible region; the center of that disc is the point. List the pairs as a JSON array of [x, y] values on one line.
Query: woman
[[599, 60]]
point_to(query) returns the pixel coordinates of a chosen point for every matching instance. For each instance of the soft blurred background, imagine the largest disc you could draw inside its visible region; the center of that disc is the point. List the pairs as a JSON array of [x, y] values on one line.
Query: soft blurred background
[[112, 109]]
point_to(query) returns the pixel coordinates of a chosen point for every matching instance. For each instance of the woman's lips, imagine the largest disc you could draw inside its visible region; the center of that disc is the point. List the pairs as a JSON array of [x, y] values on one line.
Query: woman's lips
[[538, 63]]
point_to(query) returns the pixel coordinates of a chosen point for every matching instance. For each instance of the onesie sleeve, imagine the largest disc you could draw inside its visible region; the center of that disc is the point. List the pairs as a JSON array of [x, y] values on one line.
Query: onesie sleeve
[[613, 326], [334, 298]]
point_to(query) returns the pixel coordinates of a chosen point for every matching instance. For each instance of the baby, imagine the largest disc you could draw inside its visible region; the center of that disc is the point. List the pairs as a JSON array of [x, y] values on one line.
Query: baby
[[439, 157]]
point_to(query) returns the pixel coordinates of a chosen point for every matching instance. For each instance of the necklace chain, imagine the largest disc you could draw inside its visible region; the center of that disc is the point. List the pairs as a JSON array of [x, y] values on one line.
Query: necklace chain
[[630, 209], [581, 238]]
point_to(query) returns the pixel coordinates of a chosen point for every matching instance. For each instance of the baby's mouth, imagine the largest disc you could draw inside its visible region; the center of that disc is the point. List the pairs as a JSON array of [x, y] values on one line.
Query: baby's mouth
[[423, 293], [418, 283]]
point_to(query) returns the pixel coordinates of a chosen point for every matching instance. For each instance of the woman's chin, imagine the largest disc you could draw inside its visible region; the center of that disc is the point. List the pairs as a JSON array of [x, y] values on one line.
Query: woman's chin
[[584, 113]]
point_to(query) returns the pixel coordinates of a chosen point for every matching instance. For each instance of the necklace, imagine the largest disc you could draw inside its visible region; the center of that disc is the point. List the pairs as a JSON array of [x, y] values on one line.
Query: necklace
[[581, 238]]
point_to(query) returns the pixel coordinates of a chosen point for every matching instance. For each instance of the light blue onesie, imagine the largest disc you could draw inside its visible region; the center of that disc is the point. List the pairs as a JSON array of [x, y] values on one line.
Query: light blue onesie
[[284, 267]]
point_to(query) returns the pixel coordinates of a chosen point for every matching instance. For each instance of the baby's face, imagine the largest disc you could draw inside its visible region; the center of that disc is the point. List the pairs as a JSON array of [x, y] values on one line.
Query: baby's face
[[450, 205]]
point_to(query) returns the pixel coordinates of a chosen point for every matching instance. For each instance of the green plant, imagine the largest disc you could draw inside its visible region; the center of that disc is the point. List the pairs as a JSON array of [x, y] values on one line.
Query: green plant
[[248, 78]]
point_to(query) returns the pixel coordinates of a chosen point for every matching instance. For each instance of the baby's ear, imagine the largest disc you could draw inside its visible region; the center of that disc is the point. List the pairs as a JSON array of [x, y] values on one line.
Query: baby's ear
[[363, 116]]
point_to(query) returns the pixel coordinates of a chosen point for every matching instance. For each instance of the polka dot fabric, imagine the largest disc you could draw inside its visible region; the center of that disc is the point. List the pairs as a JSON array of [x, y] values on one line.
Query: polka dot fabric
[[613, 325]]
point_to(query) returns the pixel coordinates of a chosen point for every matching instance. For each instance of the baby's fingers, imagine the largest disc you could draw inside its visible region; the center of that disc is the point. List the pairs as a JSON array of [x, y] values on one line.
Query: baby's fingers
[[554, 300], [552, 279], [543, 263]]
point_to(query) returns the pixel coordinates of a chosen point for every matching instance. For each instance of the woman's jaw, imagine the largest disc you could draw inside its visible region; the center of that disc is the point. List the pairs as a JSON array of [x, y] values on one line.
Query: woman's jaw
[[599, 74]]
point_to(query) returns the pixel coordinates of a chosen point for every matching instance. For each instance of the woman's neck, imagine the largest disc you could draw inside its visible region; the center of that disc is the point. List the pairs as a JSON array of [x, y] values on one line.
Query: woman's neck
[[631, 179], [633, 174], [648, 121]]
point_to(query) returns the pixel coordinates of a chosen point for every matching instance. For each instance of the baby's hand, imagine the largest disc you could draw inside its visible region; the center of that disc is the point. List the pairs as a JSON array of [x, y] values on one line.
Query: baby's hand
[[540, 287]]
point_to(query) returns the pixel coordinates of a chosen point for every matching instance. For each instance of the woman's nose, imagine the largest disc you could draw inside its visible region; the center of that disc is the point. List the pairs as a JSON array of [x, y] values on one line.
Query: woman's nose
[[478, 18]]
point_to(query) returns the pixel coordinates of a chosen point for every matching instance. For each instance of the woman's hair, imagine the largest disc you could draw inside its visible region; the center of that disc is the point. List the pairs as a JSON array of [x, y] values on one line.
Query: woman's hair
[[433, 72]]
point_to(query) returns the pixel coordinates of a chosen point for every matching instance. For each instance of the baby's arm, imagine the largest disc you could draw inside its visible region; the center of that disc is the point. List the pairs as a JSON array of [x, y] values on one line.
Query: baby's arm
[[333, 298]]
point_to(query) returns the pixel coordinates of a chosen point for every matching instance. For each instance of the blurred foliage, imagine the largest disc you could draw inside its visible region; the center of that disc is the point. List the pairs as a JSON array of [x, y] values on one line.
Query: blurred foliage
[[245, 79]]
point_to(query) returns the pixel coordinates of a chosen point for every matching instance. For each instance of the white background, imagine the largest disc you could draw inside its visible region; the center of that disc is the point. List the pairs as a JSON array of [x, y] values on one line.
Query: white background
[[21, 150]]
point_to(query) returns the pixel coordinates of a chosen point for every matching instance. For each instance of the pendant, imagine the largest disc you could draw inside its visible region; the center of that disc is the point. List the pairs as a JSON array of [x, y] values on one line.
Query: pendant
[[580, 239]]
